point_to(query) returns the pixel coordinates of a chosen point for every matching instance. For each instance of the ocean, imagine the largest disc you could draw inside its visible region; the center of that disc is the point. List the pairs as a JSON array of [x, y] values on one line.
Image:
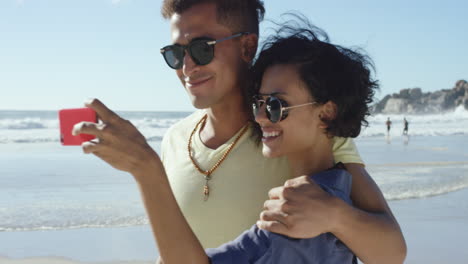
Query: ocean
[[58, 187], [48, 187]]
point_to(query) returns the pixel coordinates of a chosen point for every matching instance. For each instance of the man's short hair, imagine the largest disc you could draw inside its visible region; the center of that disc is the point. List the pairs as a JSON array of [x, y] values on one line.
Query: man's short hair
[[238, 15]]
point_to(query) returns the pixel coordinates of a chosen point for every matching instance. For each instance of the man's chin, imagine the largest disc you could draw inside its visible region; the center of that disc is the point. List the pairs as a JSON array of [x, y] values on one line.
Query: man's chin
[[199, 103]]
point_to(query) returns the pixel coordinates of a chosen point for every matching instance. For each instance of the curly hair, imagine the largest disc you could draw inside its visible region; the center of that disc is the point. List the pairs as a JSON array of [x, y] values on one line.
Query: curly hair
[[238, 15], [330, 72]]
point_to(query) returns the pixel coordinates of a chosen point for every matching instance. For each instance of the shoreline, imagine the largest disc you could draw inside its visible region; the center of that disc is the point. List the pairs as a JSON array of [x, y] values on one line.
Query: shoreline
[[433, 227], [60, 260], [73, 246], [47, 174]]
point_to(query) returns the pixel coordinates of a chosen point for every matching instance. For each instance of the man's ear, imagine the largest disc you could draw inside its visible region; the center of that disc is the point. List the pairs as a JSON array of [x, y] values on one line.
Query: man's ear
[[249, 47], [328, 112]]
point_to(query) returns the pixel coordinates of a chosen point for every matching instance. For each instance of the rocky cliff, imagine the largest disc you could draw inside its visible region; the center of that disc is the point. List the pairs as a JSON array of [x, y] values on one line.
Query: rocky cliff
[[414, 101]]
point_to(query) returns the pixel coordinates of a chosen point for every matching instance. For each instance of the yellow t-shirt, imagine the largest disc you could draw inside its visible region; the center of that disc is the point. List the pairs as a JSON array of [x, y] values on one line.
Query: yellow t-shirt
[[238, 187], [344, 150]]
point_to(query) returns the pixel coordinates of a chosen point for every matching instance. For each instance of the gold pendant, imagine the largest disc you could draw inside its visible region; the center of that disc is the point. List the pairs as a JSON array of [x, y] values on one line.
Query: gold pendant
[[206, 188], [206, 192]]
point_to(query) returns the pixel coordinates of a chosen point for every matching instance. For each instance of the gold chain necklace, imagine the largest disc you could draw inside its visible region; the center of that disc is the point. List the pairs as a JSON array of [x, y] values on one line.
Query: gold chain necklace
[[207, 173]]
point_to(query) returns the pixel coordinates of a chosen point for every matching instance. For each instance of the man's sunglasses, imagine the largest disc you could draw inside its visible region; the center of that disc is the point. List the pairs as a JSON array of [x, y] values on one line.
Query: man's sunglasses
[[201, 51], [276, 109]]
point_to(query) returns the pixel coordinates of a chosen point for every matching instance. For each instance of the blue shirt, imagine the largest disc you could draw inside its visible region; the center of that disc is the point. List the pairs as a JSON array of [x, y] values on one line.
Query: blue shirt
[[260, 246]]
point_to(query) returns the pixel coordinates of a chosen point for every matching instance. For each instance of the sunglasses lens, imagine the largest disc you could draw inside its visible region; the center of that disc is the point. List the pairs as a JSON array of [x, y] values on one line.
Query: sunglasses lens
[[256, 105], [201, 52], [174, 56], [274, 109]]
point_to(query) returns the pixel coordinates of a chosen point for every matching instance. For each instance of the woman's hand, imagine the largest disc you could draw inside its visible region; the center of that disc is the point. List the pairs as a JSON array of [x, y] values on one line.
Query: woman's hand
[[117, 142]]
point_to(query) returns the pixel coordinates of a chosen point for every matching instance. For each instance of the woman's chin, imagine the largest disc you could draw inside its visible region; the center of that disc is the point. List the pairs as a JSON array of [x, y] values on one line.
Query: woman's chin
[[270, 153]]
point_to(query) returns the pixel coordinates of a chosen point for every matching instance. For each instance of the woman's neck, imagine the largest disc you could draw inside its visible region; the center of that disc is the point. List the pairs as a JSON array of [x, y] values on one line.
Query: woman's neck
[[313, 160]]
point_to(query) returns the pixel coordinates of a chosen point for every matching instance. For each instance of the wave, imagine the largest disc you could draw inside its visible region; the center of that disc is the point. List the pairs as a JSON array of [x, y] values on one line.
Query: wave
[[27, 123], [28, 128], [442, 124], [41, 130], [72, 226], [415, 180], [29, 140], [37, 123], [154, 139], [410, 193], [50, 217], [54, 139], [59, 215]]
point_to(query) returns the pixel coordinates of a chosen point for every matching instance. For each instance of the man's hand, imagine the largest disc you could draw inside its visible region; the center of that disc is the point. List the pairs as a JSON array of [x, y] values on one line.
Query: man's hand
[[299, 209], [117, 141]]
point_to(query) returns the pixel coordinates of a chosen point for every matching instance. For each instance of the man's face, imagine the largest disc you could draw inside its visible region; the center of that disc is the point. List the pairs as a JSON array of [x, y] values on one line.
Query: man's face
[[216, 82]]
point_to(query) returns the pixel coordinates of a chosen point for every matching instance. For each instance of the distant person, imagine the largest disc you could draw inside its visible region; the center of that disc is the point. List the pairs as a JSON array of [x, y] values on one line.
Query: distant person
[[405, 129], [389, 125]]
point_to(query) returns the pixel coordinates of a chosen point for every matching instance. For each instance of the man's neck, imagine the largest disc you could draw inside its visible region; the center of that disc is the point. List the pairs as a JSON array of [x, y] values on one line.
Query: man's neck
[[223, 122]]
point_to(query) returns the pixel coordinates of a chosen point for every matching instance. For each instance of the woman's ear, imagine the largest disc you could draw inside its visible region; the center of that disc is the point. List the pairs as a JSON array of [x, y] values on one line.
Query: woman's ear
[[249, 47], [328, 112]]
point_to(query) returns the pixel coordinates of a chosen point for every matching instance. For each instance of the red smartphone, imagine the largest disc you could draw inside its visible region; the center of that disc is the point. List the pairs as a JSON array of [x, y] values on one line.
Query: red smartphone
[[68, 118]]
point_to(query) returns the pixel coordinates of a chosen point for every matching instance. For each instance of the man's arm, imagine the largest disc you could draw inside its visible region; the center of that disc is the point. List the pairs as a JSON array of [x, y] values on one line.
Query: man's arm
[[122, 146], [370, 223], [301, 209]]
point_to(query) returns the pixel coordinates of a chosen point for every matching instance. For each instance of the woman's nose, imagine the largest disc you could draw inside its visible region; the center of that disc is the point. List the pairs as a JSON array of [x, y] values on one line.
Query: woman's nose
[[260, 114]]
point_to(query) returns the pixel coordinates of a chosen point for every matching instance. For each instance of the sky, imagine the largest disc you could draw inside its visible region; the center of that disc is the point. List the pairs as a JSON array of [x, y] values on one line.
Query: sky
[[55, 54]]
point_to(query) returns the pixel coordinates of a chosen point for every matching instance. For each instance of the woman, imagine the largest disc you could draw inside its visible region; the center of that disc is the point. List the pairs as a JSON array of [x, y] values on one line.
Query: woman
[[310, 91]]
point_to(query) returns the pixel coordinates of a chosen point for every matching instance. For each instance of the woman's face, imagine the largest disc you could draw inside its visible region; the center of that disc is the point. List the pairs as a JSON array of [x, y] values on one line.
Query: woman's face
[[299, 131]]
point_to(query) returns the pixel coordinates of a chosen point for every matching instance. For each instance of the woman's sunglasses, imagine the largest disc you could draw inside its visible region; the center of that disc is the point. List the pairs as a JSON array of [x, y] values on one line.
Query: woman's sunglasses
[[201, 51], [276, 109]]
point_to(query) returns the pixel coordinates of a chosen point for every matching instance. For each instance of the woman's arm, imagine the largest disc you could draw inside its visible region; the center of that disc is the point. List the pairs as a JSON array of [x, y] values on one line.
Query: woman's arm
[[122, 146], [175, 239], [301, 209]]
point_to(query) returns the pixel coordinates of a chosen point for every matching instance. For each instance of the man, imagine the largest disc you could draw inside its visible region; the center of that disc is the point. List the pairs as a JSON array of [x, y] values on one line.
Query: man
[[405, 126], [216, 169], [389, 125]]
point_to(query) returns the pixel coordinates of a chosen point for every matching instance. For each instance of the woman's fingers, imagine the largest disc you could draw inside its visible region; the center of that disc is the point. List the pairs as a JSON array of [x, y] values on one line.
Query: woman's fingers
[[104, 113], [88, 128], [92, 146]]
